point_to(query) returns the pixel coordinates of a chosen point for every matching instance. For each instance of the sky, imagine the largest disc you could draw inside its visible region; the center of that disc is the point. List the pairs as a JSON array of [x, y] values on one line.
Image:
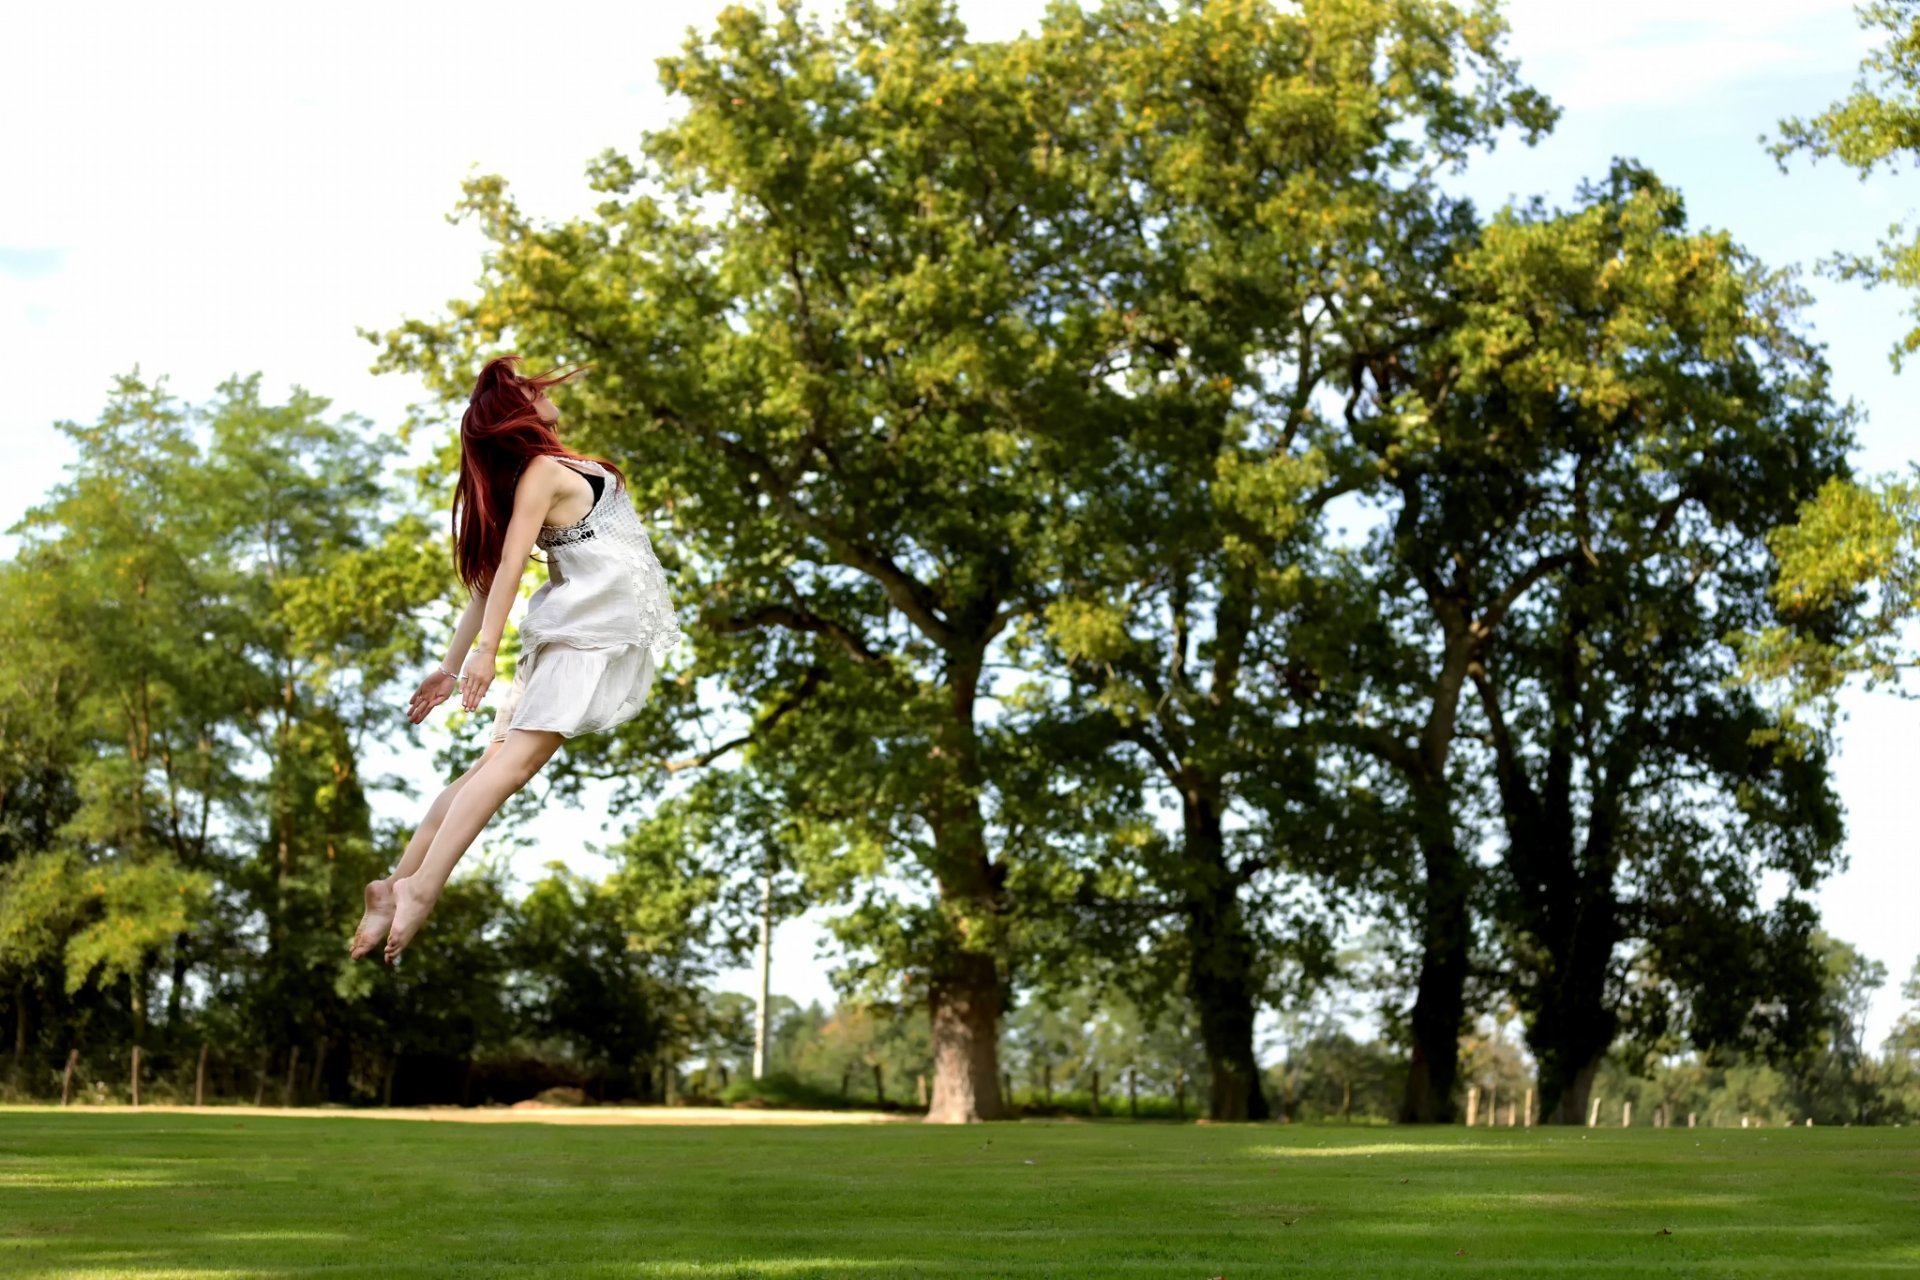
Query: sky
[[198, 190]]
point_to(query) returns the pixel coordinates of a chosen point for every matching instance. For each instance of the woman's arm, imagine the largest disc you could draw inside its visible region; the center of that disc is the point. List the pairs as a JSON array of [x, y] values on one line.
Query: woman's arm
[[463, 635], [533, 498]]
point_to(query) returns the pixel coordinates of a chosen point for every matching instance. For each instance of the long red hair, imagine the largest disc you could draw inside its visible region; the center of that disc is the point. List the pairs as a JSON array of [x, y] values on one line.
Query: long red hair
[[500, 433]]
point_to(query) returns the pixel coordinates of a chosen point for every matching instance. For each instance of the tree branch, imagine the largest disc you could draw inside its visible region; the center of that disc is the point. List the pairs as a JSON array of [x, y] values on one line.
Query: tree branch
[[780, 615], [815, 677]]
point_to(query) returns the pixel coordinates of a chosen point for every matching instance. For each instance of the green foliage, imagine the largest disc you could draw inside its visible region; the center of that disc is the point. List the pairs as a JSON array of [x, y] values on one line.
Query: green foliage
[[598, 975], [39, 904], [232, 587], [783, 1089], [1847, 591], [1875, 126], [140, 908]]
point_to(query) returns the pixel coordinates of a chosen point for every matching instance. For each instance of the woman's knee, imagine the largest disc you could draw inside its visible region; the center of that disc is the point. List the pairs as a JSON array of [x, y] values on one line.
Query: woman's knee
[[524, 753]]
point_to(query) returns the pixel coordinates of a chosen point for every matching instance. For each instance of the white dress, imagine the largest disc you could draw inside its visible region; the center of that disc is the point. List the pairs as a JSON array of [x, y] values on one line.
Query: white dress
[[595, 633]]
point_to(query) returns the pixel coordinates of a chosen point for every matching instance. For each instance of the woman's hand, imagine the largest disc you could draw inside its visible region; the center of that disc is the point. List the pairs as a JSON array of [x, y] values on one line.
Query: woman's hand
[[475, 675], [433, 691]]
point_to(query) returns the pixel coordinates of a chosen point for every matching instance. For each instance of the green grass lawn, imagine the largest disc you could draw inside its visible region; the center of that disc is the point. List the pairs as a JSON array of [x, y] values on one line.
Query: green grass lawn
[[231, 1194]]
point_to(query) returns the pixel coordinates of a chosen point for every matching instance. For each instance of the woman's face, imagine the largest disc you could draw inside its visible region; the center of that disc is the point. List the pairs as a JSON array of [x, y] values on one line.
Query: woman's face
[[548, 412]]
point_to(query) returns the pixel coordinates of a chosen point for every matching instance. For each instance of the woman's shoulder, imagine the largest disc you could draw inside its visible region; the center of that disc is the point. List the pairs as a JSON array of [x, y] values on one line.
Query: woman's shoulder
[[553, 464], [551, 472]]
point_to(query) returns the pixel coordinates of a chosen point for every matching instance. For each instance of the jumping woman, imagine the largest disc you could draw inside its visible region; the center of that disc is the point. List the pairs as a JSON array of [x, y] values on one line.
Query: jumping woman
[[590, 642]]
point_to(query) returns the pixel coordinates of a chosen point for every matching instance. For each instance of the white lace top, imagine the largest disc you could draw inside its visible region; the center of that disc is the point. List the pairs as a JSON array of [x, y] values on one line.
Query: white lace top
[[605, 586]]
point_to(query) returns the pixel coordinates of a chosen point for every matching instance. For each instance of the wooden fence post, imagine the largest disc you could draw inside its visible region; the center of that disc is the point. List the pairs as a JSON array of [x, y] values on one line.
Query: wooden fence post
[[136, 1075], [66, 1081], [200, 1078], [1526, 1114]]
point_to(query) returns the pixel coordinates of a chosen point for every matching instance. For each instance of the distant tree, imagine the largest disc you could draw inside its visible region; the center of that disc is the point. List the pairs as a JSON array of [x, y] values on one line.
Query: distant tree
[[1615, 412], [599, 974], [1835, 1077]]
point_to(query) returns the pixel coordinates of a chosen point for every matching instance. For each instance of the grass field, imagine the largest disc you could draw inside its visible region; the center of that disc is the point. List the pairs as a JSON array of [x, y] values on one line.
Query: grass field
[[229, 1194]]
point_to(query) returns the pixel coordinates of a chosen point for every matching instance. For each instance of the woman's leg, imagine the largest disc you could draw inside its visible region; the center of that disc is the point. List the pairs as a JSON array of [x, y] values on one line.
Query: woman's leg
[[379, 893], [501, 774]]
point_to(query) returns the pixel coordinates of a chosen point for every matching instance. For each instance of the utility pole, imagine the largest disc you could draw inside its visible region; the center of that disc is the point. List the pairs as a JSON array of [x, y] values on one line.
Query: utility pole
[[760, 1017]]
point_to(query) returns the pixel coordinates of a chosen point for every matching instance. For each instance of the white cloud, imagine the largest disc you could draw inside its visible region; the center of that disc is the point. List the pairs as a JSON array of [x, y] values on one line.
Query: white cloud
[[1647, 53]]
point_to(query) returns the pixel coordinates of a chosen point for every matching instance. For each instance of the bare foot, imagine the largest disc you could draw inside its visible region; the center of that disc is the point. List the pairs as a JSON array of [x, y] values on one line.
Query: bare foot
[[410, 910], [374, 924]]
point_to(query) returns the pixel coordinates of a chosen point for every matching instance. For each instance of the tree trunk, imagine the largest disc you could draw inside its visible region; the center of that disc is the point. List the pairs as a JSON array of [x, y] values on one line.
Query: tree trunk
[[293, 1068], [19, 1029], [137, 999], [314, 1077], [1575, 1091], [963, 982], [200, 1078], [1439, 1007], [1220, 972], [1572, 1026], [66, 1078], [386, 1081], [966, 1024], [180, 944], [266, 1062]]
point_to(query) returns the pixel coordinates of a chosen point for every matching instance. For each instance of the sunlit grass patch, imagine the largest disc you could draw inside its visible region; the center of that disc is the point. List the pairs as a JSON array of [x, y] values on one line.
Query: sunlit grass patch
[[125, 1195]]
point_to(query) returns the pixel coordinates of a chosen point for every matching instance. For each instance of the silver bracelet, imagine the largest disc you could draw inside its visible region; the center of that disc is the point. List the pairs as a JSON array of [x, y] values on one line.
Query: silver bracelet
[[451, 675]]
